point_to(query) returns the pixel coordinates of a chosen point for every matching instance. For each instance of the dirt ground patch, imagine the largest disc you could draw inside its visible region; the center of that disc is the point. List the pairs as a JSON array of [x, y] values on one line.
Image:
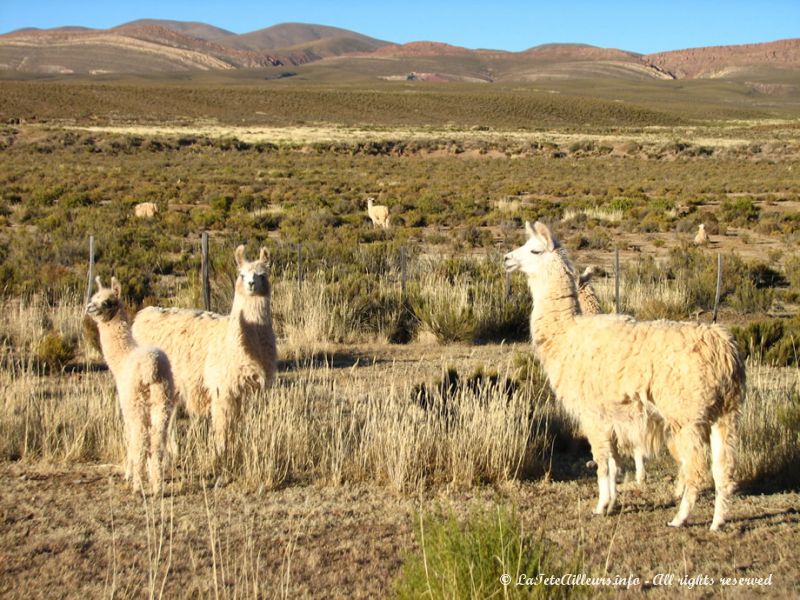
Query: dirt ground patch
[[77, 532]]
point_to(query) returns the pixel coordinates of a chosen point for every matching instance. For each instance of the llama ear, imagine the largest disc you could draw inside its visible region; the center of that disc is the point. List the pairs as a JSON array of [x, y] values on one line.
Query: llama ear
[[529, 229], [543, 231], [116, 287], [98, 282], [239, 255], [264, 255]]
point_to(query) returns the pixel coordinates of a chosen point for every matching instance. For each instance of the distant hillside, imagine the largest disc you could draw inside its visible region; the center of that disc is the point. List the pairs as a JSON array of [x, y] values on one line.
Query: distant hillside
[[153, 46], [288, 35], [202, 31], [721, 61], [122, 50]]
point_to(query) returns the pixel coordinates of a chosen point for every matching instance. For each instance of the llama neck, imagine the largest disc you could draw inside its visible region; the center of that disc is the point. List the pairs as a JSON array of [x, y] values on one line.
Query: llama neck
[[588, 300], [250, 322], [555, 305], [116, 340]]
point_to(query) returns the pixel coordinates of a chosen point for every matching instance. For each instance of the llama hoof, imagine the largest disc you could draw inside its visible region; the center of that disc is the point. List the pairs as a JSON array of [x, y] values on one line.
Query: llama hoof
[[716, 525], [675, 523]]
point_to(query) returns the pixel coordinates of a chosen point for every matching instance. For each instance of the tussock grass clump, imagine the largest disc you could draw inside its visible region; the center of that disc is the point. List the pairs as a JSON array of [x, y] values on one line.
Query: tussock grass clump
[[311, 428], [612, 215], [69, 419], [769, 429], [471, 308], [466, 558], [54, 351], [774, 342]]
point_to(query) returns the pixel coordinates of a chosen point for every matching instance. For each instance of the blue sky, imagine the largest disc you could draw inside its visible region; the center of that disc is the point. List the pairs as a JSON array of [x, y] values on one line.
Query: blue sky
[[640, 26]]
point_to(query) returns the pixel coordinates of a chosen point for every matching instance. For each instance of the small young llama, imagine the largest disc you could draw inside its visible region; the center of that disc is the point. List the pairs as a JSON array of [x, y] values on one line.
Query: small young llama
[[218, 360], [609, 370], [378, 213], [144, 385]]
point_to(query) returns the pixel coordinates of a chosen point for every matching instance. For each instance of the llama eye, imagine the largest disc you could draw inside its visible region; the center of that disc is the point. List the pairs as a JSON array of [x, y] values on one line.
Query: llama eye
[[535, 252]]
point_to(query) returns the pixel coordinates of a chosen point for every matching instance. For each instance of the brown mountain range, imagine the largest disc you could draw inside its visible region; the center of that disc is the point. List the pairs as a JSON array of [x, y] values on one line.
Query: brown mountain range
[[150, 46]]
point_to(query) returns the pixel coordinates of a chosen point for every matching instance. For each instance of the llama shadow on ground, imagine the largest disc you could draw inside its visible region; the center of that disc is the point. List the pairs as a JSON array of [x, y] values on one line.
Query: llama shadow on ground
[[784, 479], [329, 360], [85, 367]]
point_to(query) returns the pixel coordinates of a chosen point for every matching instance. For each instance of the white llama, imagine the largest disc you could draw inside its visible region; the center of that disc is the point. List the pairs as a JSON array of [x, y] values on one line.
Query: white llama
[[218, 360], [145, 210], [701, 239], [378, 213], [611, 370], [144, 385]]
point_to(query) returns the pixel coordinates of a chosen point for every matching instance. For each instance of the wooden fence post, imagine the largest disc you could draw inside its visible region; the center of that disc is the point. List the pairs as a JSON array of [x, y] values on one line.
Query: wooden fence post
[[299, 265], [616, 278], [204, 270], [402, 273], [91, 270], [719, 289]]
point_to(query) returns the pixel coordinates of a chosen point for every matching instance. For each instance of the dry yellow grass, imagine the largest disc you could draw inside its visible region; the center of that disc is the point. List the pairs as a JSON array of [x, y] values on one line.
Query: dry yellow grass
[[713, 136], [329, 463]]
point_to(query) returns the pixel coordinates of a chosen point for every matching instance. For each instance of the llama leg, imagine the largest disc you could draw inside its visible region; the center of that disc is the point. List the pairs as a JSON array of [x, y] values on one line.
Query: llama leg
[[638, 458], [673, 450], [224, 410], [124, 404], [159, 421], [723, 442], [128, 451], [601, 453], [613, 458], [137, 450], [690, 443]]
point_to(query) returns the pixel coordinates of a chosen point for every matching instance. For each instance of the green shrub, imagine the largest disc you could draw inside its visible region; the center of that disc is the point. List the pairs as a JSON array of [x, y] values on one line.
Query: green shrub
[[467, 559], [739, 211], [54, 351], [748, 298], [772, 341]]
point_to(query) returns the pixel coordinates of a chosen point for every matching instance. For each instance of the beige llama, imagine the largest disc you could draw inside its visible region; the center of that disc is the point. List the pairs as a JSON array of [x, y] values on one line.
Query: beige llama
[[144, 386], [610, 370], [378, 213], [219, 360]]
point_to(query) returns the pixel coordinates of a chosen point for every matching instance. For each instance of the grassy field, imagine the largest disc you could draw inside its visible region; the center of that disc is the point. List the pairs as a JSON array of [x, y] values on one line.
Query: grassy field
[[410, 446]]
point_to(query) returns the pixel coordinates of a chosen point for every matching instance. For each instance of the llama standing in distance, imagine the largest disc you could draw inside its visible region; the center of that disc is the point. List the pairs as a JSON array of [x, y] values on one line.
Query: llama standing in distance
[[701, 239], [144, 385], [219, 359], [145, 210], [378, 213], [609, 370]]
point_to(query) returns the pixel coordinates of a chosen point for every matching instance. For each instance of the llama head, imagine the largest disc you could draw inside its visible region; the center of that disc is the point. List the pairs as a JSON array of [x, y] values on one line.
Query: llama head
[[701, 227], [253, 278], [369, 202], [585, 277], [106, 302], [536, 254]]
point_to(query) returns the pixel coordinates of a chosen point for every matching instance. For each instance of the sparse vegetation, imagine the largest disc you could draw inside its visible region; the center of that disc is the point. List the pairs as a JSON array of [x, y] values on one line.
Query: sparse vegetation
[[465, 559], [461, 409]]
